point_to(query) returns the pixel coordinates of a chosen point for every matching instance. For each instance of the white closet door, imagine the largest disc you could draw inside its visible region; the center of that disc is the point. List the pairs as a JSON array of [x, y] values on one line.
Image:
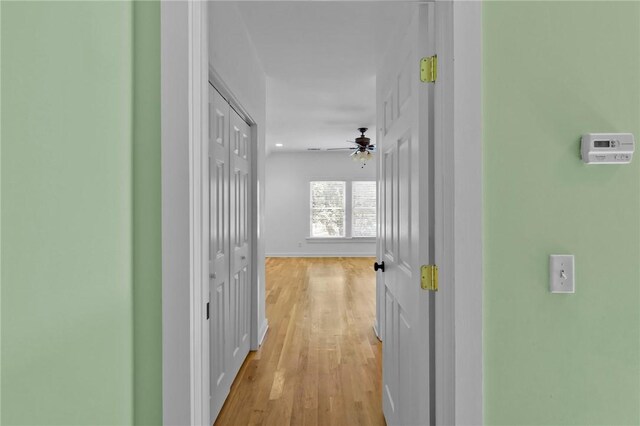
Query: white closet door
[[229, 250], [219, 251], [239, 291]]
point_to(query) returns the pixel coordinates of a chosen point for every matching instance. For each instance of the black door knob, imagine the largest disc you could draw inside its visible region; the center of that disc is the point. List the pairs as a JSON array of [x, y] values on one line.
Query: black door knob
[[379, 266]]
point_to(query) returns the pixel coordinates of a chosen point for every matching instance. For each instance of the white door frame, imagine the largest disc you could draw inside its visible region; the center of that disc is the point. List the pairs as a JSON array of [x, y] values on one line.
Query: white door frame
[[184, 101], [184, 81], [458, 153]]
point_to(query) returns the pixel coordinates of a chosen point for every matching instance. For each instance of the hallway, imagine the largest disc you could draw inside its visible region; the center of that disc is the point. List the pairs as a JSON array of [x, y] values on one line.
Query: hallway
[[320, 362]]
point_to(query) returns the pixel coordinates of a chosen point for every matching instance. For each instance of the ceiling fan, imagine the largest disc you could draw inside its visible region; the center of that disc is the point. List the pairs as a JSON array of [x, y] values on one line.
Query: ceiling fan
[[363, 151]]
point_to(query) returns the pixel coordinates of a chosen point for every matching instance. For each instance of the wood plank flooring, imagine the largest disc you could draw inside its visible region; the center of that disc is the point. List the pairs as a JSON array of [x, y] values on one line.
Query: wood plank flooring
[[320, 363]]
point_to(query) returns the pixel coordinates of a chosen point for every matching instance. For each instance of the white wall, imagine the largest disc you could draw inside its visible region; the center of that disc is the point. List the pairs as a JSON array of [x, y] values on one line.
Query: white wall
[[287, 202], [234, 58]]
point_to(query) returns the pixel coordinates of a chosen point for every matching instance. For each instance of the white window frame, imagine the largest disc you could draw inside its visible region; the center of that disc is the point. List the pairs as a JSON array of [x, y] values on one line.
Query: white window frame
[[348, 212]]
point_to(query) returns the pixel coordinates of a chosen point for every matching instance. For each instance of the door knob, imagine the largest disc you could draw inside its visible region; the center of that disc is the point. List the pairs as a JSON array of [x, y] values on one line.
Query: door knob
[[379, 266], [243, 257]]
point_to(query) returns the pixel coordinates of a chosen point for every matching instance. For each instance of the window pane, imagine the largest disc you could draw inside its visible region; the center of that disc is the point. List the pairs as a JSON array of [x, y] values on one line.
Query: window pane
[[327, 209], [363, 216]]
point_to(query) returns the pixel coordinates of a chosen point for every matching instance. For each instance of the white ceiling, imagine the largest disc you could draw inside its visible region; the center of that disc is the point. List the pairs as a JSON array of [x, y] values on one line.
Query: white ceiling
[[320, 60]]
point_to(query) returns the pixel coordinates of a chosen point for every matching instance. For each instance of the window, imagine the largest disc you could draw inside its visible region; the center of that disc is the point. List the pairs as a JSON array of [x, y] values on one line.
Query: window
[[363, 209], [328, 209], [342, 209]]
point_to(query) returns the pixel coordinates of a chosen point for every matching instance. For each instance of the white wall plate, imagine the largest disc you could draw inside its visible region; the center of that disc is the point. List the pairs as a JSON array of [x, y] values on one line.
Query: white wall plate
[[562, 273]]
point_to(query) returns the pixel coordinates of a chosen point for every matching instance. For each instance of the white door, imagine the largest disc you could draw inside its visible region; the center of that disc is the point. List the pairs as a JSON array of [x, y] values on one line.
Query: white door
[[219, 253], [239, 291], [405, 140], [229, 248]]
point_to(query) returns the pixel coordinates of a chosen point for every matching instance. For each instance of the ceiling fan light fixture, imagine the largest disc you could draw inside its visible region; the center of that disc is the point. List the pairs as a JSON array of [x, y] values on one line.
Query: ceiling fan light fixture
[[362, 156]]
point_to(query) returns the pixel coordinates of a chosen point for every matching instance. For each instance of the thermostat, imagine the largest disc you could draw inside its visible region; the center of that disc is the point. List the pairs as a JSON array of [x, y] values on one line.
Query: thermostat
[[607, 148]]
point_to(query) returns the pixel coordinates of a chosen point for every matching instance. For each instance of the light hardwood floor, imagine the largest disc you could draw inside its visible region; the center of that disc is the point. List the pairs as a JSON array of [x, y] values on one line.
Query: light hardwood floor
[[320, 363]]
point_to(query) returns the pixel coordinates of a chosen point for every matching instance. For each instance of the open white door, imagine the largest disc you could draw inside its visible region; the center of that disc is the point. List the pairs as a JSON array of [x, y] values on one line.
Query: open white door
[[405, 146]]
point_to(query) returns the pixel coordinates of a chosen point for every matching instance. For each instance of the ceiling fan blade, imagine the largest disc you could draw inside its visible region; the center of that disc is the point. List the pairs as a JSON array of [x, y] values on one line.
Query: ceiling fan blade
[[338, 149]]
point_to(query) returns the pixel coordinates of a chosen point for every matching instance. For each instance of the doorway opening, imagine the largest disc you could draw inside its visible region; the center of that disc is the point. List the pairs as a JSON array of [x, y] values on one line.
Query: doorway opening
[[312, 93], [318, 73], [287, 212]]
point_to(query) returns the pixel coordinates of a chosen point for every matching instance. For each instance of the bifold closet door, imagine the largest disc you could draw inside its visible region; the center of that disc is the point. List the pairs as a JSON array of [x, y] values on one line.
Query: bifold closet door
[[219, 251], [239, 291], [229, 246]]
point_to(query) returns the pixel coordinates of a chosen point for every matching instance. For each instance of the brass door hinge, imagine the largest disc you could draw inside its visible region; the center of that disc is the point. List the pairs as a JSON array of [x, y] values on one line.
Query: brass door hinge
[[429, 69], [429, 277]]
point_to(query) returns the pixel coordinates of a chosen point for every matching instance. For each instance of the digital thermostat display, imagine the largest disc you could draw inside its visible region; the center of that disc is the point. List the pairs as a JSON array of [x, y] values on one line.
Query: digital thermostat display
[[602, 144], [607, 148]]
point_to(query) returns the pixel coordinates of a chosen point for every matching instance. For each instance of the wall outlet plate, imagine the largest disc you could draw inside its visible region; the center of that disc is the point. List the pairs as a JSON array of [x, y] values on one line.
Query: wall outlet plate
[[562, 273]]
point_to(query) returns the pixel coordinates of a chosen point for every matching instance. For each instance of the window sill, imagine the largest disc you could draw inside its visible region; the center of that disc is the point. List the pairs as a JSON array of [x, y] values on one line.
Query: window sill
[[341, 239]]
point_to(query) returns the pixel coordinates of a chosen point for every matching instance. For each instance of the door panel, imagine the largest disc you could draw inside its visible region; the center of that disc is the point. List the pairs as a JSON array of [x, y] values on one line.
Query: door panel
[[240, 254], [388, 236], [406, 133], [390, 368], [220, 377], [403, 177], [218, 367]]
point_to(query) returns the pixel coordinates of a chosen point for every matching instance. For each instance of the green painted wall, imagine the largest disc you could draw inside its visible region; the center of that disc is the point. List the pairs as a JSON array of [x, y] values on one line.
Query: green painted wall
[[80, 213], [552, 71], [147, 226]]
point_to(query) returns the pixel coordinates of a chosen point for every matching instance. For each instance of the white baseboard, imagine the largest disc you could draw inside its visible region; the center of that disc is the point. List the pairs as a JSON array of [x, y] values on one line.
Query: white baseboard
[[263, 331], [320, 255]]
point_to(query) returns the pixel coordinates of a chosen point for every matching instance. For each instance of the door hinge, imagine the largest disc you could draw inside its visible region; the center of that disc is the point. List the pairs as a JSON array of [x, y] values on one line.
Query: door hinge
[[429, 69], [429, 277], [207, 310]]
